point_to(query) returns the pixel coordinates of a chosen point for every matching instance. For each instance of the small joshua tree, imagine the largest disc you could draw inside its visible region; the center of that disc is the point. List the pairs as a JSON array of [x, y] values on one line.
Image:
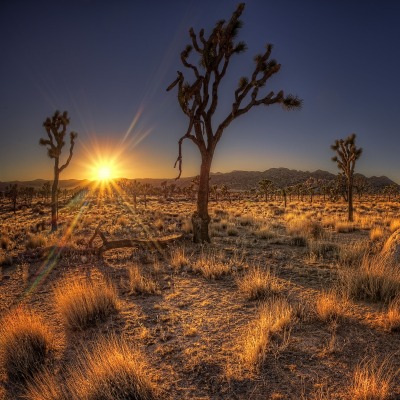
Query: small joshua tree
[[56, 129], [198, 99], [265, 185], [347, 155]]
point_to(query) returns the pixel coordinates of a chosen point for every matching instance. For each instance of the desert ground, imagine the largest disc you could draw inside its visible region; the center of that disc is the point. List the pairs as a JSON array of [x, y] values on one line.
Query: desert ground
[[286, 302]]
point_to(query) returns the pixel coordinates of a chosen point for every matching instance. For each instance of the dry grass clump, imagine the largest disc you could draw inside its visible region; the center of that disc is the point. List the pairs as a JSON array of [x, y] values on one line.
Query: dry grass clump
[[392, 317], [394, 225], [330, 306], [377, 278], [140, 284], [178, 258], [112, 371], [273, 317], [351, 255], [122, 220], [376, 233], [305, 227], [344, 227], [84, 303], [231, 230], [265, 232], [25, 344], [258, 284], [5, 241], [34, 241], [211, 265], [322, 249], [373, 381], [45, 386]]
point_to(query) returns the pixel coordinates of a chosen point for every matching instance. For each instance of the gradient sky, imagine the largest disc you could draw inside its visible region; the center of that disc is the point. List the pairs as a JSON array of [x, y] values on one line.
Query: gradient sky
[[109, 63]]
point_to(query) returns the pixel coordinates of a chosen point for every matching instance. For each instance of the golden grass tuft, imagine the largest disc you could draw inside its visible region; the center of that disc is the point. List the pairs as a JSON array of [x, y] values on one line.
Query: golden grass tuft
[[179, 258], [140, 284], [258, 284], [34, 241], [211, 265], [376, 279], [394, 225], [373, 381], [392, 317], [305, 227], [352, 254], [25, 342], [112, 371], [84, 303], [45, 386], [330, 306], [273, 317], [376, 233]]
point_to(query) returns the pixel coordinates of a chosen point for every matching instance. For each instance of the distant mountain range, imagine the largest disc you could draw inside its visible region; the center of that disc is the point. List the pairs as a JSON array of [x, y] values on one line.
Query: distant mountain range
[[236, 180]]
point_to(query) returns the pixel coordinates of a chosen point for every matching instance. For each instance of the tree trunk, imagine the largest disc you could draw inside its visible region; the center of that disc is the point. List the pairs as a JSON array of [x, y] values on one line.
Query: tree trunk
[[350, 200], [200, 218], [54, 197]]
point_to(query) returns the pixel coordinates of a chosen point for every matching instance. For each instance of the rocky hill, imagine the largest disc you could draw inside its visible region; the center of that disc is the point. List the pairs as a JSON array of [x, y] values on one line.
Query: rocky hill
[[236, 180]]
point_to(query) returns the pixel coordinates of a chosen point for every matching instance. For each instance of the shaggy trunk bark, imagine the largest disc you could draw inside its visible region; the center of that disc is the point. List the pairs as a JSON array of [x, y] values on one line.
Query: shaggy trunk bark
[[350, 199], [54, 197], [200, 218]]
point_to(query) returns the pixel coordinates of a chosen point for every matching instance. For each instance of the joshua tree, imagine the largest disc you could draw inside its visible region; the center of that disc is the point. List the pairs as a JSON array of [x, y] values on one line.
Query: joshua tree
[[12, 192], [347, 155], [265, 185], [198, 99], [56, 129]]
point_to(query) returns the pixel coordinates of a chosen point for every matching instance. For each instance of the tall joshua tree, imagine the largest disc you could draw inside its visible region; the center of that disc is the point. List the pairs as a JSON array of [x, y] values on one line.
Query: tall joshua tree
[[347, 155], [56, 129], [198, 99], [265, 186]]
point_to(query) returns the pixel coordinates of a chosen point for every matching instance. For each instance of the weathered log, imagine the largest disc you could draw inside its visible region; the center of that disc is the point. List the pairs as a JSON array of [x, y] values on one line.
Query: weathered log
[[152, 243]]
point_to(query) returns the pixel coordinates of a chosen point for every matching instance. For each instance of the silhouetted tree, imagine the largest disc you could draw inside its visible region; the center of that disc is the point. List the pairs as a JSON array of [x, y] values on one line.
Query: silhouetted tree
[[265, 186], [347, 155], [12, 192], [56, 129], [198, 99]]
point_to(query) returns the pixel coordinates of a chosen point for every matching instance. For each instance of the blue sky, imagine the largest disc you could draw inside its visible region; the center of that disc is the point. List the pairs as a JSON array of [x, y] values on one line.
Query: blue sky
[[109, 63]]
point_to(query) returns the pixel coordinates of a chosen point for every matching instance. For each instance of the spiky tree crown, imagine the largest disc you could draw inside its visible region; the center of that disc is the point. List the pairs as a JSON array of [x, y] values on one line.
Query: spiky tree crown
[[198, 99], [56, 129], [347, 154]]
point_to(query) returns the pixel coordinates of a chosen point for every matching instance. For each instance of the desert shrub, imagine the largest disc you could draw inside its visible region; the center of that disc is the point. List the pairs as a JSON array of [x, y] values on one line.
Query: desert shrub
[[392, 317], [305, 227], [372, 380], [246, 220], [5, 241], [112, 371], [330, 306], [273, 317], [140, 284], [83, 303], [394, 225], [25, 342], [376, 233], [122, 220], [211, 265], [232, 230], [298, 240], [45, 386], [265, 233], [352, 254], [258, 284], [187, 225], [377, 278], [34, 241], [179, 258], [322, 249], [344, 227]]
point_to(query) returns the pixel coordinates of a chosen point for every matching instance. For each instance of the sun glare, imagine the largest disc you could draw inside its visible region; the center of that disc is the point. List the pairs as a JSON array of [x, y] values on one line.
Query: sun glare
[[104, 173]]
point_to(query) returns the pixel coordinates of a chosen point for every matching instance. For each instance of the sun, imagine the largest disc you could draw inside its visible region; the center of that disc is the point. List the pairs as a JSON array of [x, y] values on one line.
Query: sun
[[104, 173]]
